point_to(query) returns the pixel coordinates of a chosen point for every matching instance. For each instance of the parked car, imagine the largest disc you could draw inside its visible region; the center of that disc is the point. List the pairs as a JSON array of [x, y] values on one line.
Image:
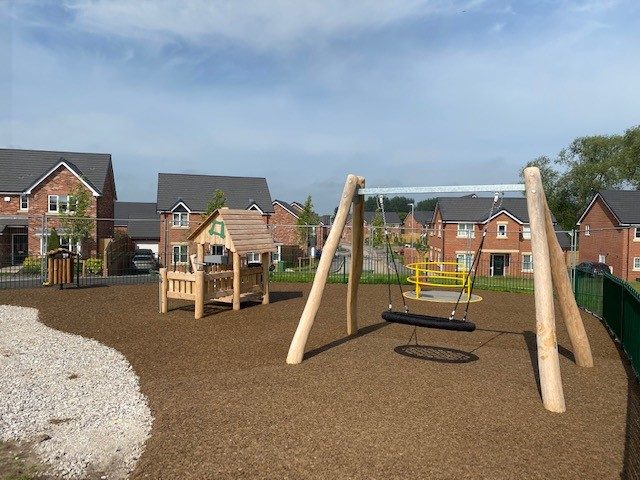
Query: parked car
[[594, 268], [144, 261]]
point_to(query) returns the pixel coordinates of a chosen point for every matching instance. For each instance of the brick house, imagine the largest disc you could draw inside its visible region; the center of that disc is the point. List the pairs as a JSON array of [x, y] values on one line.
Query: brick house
[[416, 225], [458, 223], [34, 189], [394, 226], [285, 231], [141, 222], [182, 201], [609, 232]]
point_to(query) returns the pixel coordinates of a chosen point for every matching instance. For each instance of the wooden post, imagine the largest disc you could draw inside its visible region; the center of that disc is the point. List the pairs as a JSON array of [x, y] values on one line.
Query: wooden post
[[164, 288], [266, 257], [566, 299], [548, 362], [200, 255], [296, 350], [199, 294], [236, 281], [50, 276], [357, 257]]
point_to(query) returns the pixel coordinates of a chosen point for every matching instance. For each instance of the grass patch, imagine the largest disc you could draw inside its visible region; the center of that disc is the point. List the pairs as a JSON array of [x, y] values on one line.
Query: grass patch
[[17, 462]]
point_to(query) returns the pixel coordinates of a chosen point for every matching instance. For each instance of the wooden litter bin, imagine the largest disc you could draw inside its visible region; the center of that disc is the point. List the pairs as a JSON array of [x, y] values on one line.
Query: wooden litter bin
[[60, 267]]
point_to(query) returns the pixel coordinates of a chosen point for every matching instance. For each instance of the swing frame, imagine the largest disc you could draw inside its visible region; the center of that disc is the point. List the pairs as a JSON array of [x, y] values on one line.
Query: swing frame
[[550, 270]]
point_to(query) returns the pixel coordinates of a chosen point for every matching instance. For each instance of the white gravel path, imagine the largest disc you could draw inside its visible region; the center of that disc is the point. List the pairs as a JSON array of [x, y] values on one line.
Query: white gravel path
[[77, 400]]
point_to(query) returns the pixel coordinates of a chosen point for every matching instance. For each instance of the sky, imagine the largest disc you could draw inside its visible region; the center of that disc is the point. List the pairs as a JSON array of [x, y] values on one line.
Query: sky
[[303, 92]]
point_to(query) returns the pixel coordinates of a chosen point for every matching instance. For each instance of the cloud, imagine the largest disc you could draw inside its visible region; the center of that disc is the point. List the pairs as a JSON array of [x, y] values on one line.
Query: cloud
[[255, 24]]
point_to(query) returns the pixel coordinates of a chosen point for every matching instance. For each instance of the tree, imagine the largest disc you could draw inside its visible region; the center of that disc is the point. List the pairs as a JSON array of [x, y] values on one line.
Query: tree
[[219, 200], [377, 225], [393, 204], [428, 204], [53, 242], [587, 165], [306, 218], [75, 218]]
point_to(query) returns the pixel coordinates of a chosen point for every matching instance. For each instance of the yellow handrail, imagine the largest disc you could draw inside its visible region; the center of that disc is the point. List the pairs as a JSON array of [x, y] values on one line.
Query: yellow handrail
[[425, 275]]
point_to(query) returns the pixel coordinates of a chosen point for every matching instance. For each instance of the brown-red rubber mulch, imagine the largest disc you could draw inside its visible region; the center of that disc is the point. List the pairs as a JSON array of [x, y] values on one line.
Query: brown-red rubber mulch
[[226, 405]]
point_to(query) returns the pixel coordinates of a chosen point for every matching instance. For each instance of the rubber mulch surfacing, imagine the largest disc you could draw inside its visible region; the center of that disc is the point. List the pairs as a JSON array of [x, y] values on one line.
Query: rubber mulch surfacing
[[458, 405]]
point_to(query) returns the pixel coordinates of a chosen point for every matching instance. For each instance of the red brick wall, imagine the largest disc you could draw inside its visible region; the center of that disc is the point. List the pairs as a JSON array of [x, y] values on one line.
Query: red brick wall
[[60, 182], [106, 206], [12, 207], [449, 244], [618, 245], [283, 226], [603, 238]]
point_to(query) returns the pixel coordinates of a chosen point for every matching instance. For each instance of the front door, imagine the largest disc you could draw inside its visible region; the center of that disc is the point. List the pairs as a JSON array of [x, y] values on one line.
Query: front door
[[19, 248], [497, 265]]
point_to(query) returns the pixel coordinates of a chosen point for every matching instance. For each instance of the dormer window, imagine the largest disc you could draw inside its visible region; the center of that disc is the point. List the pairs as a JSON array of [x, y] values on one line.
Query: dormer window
[[24, 202]]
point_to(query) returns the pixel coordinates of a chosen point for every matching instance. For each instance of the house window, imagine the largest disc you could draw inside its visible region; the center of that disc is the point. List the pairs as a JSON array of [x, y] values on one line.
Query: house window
[[180, 219], [636, 234], [502, 230], [526, 232], [602, 258], [464, 260], [465, 230], [24, 202], [61, 203], [527, 262], [636, 264], [180, 254], [53, 203], [253, 257], [277, 255], [440, 229], [217, 249], [587, 230]]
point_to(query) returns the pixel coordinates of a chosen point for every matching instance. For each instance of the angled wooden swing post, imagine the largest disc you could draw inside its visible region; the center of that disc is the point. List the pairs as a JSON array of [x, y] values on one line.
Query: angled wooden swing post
[[550, 269]]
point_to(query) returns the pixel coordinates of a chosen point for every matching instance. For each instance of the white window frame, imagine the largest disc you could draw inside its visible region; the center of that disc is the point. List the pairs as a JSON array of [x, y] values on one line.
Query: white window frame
[[636, 234], [467, 261], [636, 264], [530, 262], [526, 231], [253, 257], [587, 231], [173, 254], [49, 197], [439, 229], [61, 200], [503, 234], [183, 220], [602, 258], [468, 232], [276, 257], [24, 202]]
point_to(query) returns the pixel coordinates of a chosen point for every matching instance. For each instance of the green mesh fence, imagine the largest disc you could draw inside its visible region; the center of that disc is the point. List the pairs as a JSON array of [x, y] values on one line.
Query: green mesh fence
[[618, 304]]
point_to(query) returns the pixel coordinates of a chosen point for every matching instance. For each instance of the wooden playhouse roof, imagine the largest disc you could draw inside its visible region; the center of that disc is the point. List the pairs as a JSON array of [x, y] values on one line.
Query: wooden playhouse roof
[[241, 231]]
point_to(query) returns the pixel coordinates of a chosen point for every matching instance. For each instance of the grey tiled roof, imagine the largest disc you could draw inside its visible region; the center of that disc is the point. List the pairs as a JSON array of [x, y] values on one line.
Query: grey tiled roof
[[287, 206], [148, 224], [625, 205], [21, 168], [476, 210], [392, 217], [564, 239], [197, 190], [325, 219], [423, 217]]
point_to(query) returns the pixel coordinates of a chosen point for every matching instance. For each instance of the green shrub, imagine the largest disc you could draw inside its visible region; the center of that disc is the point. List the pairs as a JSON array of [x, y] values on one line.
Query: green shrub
[[93, 265], [53, 242], [31, 265]]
